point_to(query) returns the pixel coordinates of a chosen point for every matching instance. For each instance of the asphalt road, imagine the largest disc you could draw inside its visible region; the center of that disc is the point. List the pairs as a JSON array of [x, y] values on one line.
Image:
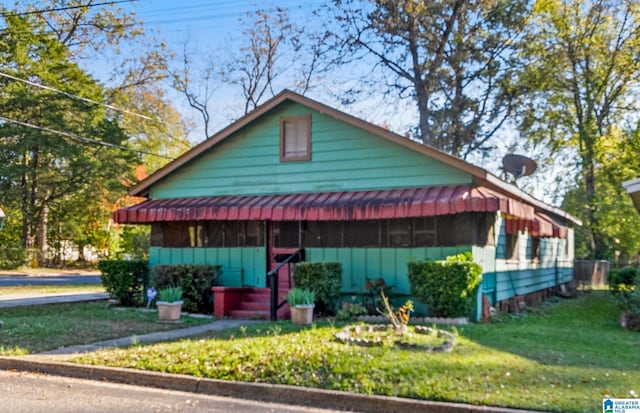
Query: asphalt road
[[11, 280], [38, 393]]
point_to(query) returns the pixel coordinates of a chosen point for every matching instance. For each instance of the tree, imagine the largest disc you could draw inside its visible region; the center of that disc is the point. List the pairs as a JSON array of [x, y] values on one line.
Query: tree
[[258, 63], [90, 29], [583, 83], [455, 58], [44, 172], [272, 53]]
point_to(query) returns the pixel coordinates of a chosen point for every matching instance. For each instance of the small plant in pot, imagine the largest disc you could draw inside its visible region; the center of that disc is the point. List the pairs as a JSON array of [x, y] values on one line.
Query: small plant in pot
[[169, 303], [301, 302]]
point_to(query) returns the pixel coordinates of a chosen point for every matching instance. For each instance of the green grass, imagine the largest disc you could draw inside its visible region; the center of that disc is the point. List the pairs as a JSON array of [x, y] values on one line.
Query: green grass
[[563, 357], [52, 289], [40, 328]]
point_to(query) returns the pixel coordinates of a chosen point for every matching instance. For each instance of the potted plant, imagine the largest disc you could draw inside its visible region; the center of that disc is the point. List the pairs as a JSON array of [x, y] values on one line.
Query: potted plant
[[301, 302], [169, 303]]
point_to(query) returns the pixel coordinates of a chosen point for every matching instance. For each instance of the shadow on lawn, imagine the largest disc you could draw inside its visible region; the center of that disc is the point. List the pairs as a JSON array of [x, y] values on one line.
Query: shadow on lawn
[[581, 332]]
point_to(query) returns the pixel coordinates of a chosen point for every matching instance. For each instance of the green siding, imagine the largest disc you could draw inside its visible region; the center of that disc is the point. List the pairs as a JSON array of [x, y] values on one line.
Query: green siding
[[505, 278], [241, 267], [344, 158], [358, 264]]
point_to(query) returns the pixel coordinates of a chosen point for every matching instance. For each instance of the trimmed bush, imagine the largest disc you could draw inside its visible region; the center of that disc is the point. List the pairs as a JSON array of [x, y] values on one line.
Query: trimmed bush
[[622, 278], [324, 279], [11, 258], [446, 287], [125, 280], [195, 280]]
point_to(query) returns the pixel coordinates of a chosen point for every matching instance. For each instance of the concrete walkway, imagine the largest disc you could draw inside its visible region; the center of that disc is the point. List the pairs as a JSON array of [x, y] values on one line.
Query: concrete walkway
[[157, 337], [27, 299]]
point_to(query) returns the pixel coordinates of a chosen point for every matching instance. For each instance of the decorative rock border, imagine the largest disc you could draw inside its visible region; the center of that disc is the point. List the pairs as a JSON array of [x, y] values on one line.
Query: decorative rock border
[[421, 320], [349, 335]]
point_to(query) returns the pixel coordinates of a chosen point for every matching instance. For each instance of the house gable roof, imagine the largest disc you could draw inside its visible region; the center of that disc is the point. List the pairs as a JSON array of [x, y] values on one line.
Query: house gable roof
[[478, 174]]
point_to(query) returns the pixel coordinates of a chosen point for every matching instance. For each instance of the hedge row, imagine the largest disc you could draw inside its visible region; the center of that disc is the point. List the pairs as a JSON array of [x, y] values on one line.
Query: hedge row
[[128, 281], [195, 280]]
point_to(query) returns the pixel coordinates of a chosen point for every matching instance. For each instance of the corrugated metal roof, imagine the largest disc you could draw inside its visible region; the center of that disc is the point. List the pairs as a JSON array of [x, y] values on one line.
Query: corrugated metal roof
[[329, 206]]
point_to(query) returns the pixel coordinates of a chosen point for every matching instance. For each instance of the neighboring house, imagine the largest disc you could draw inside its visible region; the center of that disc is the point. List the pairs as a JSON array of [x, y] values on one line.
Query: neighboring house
[[295, 173], [633, 189]]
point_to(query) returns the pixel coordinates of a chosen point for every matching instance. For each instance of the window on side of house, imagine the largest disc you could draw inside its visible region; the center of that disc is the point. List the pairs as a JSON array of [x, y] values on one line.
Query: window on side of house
[[534, 249], [511, 247], [295, 138]]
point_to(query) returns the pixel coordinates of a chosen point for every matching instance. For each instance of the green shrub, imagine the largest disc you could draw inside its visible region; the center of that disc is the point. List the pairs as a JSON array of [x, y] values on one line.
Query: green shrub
[[195, 280], [324, 279], [11, 258], [446, 287], [125, 280], [622, 278], [351, 311], [300, 296]]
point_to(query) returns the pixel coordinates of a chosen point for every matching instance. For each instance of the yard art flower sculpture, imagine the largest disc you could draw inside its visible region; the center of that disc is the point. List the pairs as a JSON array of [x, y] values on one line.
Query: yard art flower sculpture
[[421, 338], [151, 294]]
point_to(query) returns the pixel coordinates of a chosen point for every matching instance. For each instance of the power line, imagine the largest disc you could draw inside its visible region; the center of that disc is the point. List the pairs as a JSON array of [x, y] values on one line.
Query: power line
[[72, 96], [79, 138], [25, 13]]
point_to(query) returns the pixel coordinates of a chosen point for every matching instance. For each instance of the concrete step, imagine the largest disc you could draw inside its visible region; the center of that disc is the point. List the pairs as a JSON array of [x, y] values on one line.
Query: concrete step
[[249, 315]]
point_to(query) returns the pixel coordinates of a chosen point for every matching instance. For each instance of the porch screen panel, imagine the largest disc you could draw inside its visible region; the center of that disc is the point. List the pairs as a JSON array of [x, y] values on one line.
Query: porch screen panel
[[362, 233], [214, 234], [398, 232], [157, 239], [176, 234], [424, 232], [286, 234], [322, 234]]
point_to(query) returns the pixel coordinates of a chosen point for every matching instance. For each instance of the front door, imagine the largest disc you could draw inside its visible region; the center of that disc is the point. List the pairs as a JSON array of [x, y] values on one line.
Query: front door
[[284, 240]]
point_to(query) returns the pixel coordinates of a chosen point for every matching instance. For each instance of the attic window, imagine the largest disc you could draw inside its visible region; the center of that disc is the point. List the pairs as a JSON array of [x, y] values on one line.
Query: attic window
[[295, 138]]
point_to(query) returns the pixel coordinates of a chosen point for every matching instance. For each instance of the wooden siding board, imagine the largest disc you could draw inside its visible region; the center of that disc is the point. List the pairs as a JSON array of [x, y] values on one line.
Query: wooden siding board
[[344, 158], [358, 264], [251, 261]]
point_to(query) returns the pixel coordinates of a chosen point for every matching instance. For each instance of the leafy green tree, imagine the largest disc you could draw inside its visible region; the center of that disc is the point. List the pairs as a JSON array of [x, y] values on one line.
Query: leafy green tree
[[583, 82], [44, 173], [455, 58], [90, 29]]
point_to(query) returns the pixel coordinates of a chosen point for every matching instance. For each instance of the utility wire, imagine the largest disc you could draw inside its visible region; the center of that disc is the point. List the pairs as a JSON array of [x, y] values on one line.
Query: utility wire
[[72, 96], [79, 138], [80, 6]]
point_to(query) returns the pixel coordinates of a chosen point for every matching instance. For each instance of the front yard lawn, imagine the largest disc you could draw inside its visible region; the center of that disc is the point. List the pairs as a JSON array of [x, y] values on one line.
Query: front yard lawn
[[47, 327], [562, 357]]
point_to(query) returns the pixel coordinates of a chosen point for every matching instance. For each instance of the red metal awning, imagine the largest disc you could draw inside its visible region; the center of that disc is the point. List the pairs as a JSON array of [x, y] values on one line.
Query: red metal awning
[[540, 226], [329, 206]]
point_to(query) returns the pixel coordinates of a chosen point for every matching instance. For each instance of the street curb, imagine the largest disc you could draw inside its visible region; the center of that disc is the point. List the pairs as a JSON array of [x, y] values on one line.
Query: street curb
[[293, 395]]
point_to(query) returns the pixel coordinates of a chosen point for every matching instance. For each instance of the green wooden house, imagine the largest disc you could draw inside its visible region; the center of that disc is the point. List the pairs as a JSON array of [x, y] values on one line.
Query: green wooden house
[[296, 174]]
